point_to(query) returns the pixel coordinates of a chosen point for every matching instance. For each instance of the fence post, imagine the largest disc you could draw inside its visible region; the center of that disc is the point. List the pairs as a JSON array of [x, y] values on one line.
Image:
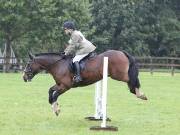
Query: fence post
[[20, 64], [172, 67], [151, 66]]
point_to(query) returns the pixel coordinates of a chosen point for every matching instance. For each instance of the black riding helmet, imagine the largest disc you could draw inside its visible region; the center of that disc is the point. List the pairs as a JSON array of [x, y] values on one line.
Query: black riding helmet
[[69, 25]]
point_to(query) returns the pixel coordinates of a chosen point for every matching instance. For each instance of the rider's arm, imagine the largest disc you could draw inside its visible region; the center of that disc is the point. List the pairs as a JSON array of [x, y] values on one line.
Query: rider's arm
[[74, 44], [69, 49]]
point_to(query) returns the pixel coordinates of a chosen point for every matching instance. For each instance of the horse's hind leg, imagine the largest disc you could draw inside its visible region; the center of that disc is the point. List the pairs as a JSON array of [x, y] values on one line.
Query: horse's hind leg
[[134, 88], [134, 83], [126, 71]]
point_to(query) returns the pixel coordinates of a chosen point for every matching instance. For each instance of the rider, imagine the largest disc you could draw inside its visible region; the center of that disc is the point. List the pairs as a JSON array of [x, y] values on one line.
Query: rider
[[78, 45]]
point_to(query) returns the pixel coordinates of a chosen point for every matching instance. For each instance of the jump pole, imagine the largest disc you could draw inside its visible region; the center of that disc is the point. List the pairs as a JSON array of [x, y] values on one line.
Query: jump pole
[[98, 114], [98, 103], [103, 125]]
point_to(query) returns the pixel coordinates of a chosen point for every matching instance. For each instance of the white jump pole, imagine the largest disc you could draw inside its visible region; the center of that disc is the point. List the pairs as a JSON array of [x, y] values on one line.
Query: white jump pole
[[98, 114], [98, 103], [104, 100], [98, 100], [104, 92]]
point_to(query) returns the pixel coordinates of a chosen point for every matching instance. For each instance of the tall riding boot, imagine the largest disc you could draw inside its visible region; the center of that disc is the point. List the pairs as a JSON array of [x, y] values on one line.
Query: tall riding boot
[[77, 74]]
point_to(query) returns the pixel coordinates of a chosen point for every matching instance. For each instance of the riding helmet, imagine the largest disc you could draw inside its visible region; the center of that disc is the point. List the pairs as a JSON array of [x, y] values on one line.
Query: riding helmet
[[69, 25]]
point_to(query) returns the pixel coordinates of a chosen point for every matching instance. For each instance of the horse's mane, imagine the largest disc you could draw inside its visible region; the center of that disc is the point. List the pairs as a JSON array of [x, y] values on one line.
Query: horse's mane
[[41, 54], [53, 54]]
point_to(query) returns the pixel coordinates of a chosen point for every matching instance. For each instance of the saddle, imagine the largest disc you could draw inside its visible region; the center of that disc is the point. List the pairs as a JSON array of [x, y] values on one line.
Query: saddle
[[81, 62]]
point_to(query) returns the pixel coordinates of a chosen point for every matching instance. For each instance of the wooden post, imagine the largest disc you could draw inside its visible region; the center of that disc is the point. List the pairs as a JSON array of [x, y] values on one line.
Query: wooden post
[[151, 67], [172, 67]]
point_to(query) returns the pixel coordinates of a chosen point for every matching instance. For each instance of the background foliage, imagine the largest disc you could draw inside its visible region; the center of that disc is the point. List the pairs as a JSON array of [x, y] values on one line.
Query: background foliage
[[141, 27]]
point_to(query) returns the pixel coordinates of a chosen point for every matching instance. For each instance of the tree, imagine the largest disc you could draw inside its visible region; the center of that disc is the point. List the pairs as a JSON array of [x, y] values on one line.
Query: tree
[[47, 18], [160, 26], [141, 27], [13, 22], [115, 26], [36, 25]]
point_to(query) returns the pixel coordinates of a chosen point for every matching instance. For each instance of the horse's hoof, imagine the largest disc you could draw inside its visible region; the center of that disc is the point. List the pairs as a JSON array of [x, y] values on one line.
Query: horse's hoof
[[57, 112], [55, 108], [143, 97]]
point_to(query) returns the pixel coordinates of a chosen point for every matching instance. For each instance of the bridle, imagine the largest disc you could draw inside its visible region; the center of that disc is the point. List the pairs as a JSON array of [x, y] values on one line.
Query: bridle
[[28, 70]]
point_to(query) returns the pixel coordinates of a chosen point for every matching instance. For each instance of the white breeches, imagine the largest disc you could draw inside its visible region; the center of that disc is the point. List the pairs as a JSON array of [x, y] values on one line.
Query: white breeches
[[79, 57]]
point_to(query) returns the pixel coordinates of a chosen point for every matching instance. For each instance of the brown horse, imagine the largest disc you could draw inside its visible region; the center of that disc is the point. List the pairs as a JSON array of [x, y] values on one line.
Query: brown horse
[[121, 66]]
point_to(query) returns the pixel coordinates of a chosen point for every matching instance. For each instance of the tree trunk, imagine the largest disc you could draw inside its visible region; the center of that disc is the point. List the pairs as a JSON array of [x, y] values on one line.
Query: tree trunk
[[7, 56]]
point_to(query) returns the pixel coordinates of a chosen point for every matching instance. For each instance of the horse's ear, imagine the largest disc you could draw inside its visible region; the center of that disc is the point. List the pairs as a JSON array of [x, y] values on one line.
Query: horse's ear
[[31, 56]]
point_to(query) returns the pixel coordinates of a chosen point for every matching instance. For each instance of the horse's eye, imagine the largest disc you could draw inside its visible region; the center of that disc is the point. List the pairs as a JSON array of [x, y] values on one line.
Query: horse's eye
[[29, 64]]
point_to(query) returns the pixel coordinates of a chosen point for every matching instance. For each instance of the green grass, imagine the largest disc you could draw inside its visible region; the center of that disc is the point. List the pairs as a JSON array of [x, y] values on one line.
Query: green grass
[[24, 108]]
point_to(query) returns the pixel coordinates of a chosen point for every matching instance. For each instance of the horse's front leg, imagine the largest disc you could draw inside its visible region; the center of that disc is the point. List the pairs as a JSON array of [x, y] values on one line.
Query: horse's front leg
[[51, 91], [55, 106], [54, 93]]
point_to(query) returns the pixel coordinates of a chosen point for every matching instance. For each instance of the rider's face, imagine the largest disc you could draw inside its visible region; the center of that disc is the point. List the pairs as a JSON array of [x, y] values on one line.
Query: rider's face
[[67, 31]]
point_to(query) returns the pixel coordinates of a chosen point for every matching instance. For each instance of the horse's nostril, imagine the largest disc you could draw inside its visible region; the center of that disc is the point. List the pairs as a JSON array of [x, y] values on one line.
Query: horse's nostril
[[24, 79]]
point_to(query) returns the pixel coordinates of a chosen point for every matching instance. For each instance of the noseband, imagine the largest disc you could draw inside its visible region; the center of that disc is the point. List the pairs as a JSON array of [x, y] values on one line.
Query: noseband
[[28, 71]]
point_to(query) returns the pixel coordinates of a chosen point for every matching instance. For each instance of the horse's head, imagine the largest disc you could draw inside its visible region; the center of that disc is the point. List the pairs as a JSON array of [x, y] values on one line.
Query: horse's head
[[31, 68]]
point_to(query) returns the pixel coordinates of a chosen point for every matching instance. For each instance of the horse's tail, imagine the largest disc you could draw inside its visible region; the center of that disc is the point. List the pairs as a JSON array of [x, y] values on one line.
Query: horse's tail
[[133, 73]]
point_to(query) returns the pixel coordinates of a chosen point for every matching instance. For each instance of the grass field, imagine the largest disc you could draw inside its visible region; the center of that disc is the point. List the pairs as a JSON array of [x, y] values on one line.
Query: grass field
[[24, 108]]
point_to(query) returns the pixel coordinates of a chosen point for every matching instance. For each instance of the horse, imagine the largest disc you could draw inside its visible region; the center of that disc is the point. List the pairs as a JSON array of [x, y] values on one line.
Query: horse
[[121, 66]]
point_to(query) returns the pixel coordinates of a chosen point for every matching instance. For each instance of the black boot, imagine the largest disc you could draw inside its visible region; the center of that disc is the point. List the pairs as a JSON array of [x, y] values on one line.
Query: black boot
[[77, 77]]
